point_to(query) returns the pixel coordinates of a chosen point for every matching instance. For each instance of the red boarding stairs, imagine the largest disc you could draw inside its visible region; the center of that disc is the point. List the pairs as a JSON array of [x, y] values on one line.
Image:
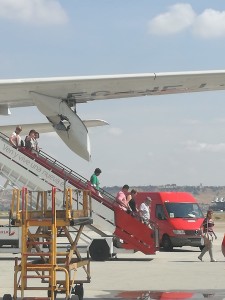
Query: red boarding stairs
[[135, 235]]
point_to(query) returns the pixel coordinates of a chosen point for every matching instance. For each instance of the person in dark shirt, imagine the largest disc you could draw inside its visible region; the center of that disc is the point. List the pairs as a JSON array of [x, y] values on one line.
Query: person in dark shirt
[[30, 140], [132, 202], [208, 235]]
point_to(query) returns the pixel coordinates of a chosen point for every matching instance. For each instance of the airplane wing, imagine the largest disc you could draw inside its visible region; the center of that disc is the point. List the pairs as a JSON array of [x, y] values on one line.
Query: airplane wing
[[57, 98], [16, 92], [46, 127]]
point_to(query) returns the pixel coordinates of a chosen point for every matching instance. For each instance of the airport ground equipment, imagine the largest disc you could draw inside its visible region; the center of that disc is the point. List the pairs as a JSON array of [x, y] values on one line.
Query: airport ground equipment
[[39, 171], [41, 266]]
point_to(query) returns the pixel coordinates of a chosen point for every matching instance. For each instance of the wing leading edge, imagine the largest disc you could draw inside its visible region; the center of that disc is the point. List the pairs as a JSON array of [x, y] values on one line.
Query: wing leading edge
[[16, 92]]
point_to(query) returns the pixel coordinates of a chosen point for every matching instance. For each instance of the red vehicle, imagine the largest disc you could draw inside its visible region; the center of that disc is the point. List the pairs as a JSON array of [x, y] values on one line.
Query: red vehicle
[[178, 217]]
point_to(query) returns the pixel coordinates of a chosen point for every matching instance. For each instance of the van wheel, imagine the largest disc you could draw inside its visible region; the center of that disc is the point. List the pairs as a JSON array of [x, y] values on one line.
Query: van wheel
[[166, 243]]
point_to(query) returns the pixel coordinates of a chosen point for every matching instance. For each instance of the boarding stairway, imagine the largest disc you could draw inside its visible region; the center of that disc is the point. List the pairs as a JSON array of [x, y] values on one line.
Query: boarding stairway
[[40, 172]]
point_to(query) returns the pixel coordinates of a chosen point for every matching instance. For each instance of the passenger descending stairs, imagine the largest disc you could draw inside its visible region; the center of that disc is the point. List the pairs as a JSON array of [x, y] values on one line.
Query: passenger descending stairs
[[40, 172]]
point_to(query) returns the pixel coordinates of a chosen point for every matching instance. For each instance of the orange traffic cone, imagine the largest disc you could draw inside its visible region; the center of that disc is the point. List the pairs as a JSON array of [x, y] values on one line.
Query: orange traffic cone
[[223, 246]]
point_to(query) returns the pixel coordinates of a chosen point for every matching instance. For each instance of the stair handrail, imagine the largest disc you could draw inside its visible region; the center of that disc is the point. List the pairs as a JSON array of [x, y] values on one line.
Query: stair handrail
[[61, 167], [108, 199]]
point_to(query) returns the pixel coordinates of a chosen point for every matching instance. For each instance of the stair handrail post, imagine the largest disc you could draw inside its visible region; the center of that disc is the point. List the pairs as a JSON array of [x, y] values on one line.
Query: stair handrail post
[[24, 204], [85, 203], [24, 240], [54, 248], [68, 201]]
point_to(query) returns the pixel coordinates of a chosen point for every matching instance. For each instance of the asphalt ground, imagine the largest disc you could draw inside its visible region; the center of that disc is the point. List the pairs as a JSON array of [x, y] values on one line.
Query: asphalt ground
[[166, 275]]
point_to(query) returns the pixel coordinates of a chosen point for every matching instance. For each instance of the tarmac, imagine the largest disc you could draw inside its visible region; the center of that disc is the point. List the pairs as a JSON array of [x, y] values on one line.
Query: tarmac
[[165, 275]]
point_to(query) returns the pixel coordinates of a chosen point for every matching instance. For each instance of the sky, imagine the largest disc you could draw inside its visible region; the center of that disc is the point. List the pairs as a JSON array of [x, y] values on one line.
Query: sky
[[153, 140]]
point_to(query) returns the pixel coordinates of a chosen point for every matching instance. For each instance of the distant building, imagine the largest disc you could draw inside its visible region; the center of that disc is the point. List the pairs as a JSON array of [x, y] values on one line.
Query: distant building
[[218, 204]]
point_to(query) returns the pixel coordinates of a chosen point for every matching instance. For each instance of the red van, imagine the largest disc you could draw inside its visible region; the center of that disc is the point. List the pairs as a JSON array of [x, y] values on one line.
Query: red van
[[177, 216]]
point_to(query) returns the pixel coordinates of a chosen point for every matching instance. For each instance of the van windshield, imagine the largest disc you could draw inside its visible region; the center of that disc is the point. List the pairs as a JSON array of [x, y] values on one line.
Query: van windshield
[[183, 210]]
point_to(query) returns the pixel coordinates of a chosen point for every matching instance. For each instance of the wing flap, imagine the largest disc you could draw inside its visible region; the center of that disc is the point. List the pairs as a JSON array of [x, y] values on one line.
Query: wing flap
[[66, 124]]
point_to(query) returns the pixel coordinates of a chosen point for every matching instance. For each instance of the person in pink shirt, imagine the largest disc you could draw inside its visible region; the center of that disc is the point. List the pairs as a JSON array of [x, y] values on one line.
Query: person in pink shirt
[[121, 198]]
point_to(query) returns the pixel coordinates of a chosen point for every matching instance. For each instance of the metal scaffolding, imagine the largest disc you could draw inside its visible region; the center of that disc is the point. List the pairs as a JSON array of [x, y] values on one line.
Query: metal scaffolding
[[41, 266]]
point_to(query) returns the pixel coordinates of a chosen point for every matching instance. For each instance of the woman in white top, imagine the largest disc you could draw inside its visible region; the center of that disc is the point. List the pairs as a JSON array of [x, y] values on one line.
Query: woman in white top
[[15, 138]]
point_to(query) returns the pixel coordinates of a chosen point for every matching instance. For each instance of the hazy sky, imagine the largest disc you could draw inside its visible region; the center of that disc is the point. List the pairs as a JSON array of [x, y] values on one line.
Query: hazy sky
[[151, 140]]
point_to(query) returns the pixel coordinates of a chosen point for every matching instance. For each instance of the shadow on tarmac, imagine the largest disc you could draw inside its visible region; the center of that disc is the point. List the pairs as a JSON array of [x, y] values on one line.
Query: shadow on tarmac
[[130, 259], [180, 250], [156, 295]]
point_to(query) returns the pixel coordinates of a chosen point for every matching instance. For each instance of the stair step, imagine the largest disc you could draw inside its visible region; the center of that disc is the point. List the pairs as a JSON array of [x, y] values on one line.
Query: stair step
[[36, 254], [37, 276]]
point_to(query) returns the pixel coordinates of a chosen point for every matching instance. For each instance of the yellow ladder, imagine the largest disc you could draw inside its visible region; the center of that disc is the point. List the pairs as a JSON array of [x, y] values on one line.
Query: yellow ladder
[[39, 257]]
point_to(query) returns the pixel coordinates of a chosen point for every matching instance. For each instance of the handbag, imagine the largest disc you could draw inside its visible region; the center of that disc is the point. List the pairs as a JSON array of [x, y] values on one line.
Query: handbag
[[207, 236]]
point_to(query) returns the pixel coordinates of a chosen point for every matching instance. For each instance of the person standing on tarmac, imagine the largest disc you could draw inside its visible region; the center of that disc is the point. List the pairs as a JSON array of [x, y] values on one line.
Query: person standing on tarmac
[[208, 235]]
